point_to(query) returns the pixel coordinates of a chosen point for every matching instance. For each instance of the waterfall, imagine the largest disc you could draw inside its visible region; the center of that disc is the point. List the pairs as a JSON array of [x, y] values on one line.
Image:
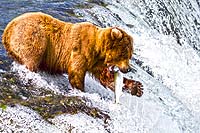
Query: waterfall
[[166, 56], [167, 42]]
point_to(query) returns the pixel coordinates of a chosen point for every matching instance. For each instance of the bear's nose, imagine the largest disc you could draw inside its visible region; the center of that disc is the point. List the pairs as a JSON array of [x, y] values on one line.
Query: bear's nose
[[129, 69], [125, 70]]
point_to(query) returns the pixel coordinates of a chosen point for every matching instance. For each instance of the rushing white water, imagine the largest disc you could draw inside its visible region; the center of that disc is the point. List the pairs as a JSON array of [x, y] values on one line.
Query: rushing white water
[[166, 39]]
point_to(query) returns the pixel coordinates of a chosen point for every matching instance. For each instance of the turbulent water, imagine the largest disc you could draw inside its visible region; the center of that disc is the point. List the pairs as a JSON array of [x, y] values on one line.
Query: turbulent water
[[167, 45]]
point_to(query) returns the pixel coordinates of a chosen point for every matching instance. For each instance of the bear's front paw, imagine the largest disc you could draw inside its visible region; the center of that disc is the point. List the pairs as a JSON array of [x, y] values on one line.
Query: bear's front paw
[[133, 87]]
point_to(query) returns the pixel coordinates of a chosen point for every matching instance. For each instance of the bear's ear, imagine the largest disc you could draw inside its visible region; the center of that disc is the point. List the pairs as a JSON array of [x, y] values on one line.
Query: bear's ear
[[116, 34]]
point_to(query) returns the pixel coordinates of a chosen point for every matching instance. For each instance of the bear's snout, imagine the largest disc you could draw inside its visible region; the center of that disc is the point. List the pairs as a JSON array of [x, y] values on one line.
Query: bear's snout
[[125, 69]]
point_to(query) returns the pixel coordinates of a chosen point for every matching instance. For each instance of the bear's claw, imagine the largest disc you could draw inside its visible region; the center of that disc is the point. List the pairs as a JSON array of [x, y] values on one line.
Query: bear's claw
[[133, 87]]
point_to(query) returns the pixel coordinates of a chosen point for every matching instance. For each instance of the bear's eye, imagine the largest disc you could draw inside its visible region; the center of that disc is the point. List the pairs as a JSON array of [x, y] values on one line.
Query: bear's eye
[[110, 56]]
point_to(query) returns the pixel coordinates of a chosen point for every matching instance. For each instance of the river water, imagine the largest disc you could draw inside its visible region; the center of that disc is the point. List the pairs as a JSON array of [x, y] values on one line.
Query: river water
[[167, 42]]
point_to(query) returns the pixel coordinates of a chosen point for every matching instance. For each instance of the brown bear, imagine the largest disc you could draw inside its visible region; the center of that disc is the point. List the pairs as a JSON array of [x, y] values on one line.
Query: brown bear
[[42, 42]]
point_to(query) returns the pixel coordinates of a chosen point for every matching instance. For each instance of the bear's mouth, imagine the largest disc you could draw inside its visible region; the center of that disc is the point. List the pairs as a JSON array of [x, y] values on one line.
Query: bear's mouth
[[113, 69], [130, 86]]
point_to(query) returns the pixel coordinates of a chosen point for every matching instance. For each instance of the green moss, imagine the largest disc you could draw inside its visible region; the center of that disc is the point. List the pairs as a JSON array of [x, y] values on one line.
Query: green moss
[[3, 106]]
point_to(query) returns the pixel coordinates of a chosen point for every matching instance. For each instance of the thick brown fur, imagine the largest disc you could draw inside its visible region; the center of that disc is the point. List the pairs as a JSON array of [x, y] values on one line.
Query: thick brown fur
[[42, 42]]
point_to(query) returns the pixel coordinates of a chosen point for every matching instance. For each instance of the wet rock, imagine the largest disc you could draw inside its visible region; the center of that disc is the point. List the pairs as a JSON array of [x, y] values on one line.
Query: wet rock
[[46, 103]]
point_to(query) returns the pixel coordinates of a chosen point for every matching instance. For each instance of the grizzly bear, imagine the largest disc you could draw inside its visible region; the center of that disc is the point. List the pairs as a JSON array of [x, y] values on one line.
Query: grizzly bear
[[41, 42]]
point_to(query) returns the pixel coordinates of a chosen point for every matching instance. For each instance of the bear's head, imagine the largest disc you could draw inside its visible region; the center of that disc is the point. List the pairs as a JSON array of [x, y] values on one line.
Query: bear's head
[[119, 50]]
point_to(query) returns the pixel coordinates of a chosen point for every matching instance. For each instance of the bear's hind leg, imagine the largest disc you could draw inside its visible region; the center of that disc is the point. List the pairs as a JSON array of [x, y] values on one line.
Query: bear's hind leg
[[28, 47], [32, 57], [32, 65]]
